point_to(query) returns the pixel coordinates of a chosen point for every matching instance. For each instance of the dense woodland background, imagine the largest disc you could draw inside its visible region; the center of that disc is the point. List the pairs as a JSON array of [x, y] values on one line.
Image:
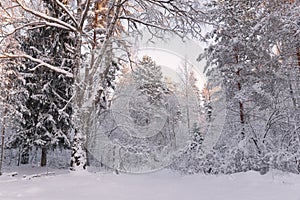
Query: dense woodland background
[[63, 63]]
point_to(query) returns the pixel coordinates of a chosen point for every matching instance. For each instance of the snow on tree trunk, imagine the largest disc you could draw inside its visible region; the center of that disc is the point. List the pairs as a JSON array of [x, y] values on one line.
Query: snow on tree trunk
[[78, 157]]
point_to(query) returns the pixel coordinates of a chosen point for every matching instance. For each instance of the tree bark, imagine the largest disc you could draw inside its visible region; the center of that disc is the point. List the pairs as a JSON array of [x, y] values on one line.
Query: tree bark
[[78, 156], [241, 105], [298, 58], [2, 140], [24, 156], [297, 77], [44, 157]]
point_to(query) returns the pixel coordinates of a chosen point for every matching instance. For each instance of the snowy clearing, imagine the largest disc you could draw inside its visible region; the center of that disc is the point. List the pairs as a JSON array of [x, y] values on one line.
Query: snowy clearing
[[162, 185]]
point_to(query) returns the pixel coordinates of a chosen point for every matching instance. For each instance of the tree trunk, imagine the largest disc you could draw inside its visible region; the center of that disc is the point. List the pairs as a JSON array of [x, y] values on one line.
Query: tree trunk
[[2, 140], [292, 92], [78, 157], [85, 87], [297, 77], [24, 156], [298, 58], [44, 157], [241, 105]]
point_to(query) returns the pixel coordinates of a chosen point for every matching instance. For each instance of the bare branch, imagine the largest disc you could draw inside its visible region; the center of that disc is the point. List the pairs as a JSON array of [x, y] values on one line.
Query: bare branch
[[4, 9], [135, 20]]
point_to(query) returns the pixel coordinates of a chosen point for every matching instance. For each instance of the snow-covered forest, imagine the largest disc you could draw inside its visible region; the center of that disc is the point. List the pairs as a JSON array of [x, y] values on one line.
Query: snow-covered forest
[[98, 90]]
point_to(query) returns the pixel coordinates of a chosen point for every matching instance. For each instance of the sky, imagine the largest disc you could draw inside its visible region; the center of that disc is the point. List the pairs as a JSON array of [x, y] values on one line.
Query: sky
[[171, 55]]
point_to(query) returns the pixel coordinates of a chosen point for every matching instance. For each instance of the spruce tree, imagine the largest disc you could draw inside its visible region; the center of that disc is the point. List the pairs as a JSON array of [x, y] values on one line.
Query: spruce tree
[[149, 79], [47, 121]]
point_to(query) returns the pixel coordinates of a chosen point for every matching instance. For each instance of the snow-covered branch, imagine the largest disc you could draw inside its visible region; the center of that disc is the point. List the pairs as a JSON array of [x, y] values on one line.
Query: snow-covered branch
[[36, 24], [67, 11], [44, 16], [40, 63], [84, 13]]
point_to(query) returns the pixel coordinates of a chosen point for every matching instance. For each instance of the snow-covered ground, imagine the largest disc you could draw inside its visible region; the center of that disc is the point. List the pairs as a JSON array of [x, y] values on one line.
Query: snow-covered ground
[[162, 185]]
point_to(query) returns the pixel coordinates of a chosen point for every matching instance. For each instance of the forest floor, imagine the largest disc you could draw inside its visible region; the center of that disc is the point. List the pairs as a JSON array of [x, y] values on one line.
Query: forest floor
[[33, 183]]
